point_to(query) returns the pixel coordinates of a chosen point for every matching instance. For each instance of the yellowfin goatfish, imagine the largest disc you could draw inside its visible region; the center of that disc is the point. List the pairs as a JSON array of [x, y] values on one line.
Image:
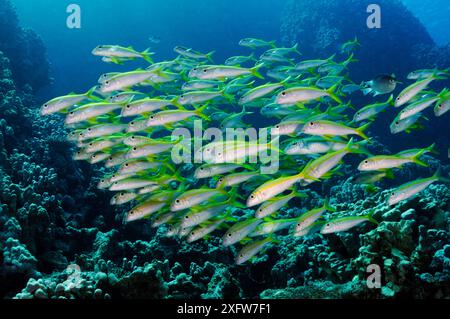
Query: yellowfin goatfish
[[411, 189], [146, 106], [256, 43], [383, 162], [251, 250], [345, 223], [304, 94], [406, 124], [223, 72], [411, 91], [202, 231], [416, 107], [116, 53], [192, 54], [369, 112], [273, 205], [194, 197], [91, 111], [329, 128], [239, 231], [62, 103], [309, 218], [426, 73], [126, 80]]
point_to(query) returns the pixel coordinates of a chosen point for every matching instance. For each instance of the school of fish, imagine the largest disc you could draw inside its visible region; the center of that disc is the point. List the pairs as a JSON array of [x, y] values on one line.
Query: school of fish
[[126, 122]]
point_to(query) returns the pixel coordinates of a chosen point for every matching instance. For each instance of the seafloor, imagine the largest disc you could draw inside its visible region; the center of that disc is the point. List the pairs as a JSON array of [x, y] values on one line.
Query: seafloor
[[52, 215]]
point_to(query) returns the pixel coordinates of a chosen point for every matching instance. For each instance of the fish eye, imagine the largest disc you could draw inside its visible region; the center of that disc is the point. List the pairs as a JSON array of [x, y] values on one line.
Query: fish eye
[[45, 105], [204, 71], [71, 113], [90, 144], [283, 93], [241, 255], [177, 201], [327, 225], [252, 196], [229, 234], [107, 82], [89, 129], [133, 137], [277, 126], [134, 148], [201, 168], [393, 194], [311, 124], [126, 165], [152, 117], [397, 123], [111, 158], [187, 217], [128, 106], [440, 106], [122, 194]]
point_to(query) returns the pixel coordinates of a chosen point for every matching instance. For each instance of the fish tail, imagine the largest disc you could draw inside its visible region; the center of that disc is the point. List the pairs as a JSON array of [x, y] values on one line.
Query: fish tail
[[370, 217], [350, 60], [361, 130], [391, 101], [295, 49], [227, 96], [209, 56], [332, 94], [146, 55], [331, 58], [327, 206], [90, 94], [432, 149], [255, 72], [200, 111], [174, 102], [416, 159], [443, 93]]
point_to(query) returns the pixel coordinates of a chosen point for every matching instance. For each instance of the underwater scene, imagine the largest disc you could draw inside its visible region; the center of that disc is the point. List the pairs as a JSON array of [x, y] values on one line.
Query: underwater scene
[[213, 149]]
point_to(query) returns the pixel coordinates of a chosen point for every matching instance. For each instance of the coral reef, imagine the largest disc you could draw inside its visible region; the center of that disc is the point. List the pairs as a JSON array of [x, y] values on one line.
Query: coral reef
[[25, 49], [60, 238]]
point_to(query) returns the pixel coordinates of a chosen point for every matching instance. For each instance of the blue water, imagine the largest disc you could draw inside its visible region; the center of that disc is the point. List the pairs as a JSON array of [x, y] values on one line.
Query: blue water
[[203, 24]]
